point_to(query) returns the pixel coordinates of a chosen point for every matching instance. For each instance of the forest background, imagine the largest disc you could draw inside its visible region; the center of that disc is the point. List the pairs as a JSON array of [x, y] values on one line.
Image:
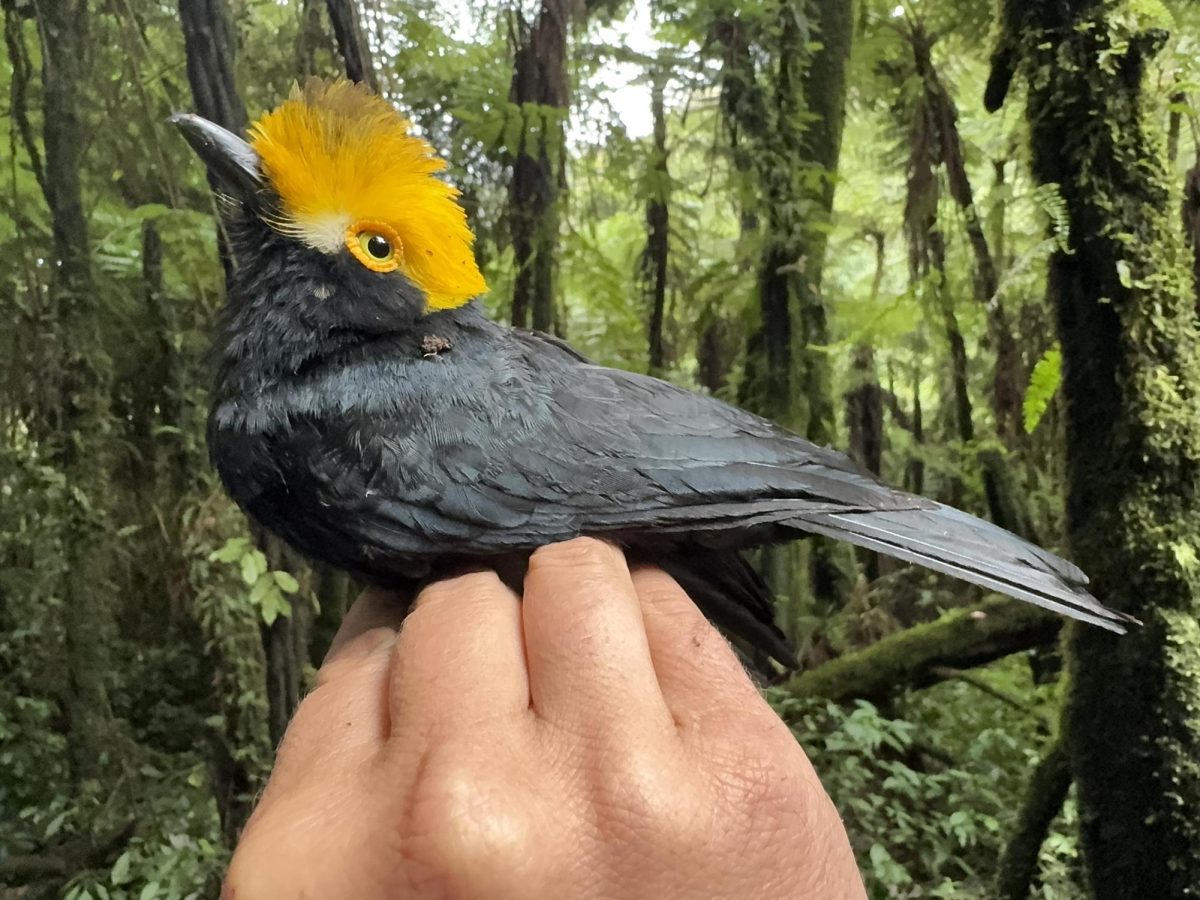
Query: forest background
[[961, 241]]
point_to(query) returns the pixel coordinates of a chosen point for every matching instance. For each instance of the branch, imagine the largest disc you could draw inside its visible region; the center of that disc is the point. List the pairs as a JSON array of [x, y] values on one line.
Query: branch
[[19, 870], [963, 639], [74, 854]]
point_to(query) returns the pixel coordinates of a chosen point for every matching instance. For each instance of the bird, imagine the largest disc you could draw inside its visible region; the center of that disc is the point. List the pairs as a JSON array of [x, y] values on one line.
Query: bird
[[368, 412]]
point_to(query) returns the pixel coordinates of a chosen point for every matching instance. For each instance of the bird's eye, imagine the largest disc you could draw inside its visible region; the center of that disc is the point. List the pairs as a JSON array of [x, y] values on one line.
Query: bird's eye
[[375, 245]]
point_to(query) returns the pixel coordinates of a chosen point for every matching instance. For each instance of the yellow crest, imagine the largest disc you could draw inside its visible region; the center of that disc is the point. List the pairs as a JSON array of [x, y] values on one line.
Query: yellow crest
[[350, 175]]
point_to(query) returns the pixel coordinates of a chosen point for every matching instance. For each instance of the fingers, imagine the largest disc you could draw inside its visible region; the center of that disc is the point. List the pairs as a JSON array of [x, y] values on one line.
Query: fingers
[[697, 670], [589, 660], [460, 657], [374, 609], [342, 724]]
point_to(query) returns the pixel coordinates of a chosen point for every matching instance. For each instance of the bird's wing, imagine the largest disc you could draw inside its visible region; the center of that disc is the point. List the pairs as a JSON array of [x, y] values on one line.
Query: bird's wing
[[562, 447]]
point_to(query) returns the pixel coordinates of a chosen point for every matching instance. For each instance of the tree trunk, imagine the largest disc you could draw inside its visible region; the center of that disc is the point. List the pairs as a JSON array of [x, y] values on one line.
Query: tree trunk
[[541, 89], [864, 420], [310, 38], [1048, 788], [653, 264], [1190, 213], [1008, 381], [788, 373], [211, 46], [352, 42], [1131, 357], [864, 411], [84, 391], [824, 91]]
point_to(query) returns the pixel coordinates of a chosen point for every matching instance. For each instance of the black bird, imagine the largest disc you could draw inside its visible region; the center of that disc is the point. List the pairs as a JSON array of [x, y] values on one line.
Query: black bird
[[368, 413]]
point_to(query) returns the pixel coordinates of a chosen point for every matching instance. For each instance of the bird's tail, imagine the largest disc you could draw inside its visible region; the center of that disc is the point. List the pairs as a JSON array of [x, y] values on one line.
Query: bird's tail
[[950, 541]]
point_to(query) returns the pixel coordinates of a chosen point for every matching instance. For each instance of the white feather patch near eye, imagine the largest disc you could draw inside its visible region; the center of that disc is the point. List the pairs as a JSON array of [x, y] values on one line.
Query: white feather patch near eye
[[326, 233]]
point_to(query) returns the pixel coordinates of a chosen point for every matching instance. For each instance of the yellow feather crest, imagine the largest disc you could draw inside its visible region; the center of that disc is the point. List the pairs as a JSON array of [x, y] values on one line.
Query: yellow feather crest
[[339, 155]]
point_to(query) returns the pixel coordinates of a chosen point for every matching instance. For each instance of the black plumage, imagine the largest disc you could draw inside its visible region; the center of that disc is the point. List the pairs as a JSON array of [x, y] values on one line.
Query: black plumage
[[394, 442]]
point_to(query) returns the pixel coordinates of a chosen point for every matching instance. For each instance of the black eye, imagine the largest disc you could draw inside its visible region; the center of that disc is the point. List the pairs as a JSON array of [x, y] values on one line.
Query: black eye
[[374, 247], [378, 247]]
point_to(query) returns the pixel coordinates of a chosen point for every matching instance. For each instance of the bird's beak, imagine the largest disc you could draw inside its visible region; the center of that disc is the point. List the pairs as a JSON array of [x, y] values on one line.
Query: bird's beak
[[230, 159]]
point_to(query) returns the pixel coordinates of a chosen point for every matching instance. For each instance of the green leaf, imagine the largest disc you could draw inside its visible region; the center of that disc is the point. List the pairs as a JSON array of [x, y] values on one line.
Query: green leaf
[[1124, 274], [249, 569], [259, 591], [1185, 555], [148, 211], [56, 824], [120, 869], [1044, 381], [230, 551], [272, 605], [287, 582], [150, 891]]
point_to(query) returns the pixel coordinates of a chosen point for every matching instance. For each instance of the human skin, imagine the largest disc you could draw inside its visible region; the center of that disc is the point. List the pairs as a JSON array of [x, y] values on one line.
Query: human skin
[[597, 739]]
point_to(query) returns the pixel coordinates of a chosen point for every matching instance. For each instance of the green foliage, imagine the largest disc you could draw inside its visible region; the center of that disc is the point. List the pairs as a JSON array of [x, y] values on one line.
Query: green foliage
[[927, 791], [267, 587], [929, 786], [1044, 381]]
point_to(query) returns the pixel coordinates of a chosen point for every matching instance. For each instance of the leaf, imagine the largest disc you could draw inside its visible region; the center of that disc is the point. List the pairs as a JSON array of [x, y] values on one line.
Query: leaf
[[259, 591], [272, 603], [1185, 555], [1044, 381], [120, 869], [1124, 274], [150, 891], [56, 824], [250, 570], [287, 582], [230, 551], [148, 211]]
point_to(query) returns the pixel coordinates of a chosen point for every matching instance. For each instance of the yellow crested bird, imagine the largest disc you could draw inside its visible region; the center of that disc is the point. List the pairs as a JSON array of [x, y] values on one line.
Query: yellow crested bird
[[367, 412]]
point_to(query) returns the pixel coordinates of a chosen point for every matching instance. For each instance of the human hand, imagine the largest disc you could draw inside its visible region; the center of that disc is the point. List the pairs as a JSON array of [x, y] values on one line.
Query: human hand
[[598, 739]]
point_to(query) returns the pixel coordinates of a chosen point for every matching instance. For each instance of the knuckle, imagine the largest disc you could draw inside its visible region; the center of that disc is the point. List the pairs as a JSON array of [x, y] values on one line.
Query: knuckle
[[641, 792], [471, 587], [582, 554], [461, 825], [655, 586]]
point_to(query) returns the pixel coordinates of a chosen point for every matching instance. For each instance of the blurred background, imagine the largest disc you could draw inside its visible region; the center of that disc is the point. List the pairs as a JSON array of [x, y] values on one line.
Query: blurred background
[[801, 206]]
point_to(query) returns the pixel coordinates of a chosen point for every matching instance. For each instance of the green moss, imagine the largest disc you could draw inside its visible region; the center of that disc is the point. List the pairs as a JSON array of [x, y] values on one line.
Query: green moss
[[961, 639], [1132, 384]]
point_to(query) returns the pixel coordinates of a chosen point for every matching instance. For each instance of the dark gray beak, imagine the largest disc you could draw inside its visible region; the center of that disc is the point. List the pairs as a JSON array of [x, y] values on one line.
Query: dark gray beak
[[230, 159]]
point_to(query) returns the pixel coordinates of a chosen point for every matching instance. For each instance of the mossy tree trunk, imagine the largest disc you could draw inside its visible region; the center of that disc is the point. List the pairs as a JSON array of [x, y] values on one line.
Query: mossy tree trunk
[[1049, 784], [542, 91], [1131, 356], [794, 128], [211, 46], [85, 376], [352, 42], [652, 267]]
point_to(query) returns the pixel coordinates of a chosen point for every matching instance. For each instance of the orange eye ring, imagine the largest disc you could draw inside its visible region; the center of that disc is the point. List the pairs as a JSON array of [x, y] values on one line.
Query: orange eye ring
[[376, 245]]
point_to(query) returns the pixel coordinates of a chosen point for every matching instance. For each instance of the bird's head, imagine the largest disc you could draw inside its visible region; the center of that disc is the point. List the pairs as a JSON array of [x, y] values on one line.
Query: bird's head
[[335, 177]]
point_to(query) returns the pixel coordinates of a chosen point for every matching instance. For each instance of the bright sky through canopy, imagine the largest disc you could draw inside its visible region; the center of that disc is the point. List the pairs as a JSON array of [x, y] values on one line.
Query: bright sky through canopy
[[629, 98]]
